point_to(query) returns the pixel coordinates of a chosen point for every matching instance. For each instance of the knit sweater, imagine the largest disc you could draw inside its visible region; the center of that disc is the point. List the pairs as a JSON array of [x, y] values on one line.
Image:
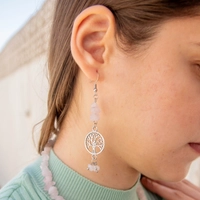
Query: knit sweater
[[28, 185]]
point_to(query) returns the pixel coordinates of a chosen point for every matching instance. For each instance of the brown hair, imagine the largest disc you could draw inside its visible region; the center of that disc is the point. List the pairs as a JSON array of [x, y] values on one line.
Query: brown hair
[[136, 22]]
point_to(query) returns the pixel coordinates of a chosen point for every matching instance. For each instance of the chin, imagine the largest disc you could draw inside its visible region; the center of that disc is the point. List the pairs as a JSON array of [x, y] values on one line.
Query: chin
[[175, 175], [175, 178]]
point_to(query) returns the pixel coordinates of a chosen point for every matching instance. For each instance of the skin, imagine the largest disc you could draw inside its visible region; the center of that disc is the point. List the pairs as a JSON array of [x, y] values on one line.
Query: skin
[[173, 190], [149, 101]]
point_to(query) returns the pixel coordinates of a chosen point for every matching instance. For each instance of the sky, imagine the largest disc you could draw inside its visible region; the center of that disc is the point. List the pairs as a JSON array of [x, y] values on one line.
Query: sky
[[13, 16]]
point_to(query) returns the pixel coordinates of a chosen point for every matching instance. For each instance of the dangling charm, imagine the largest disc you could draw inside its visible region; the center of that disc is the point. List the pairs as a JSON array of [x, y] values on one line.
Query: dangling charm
[[94, 144], [94, 141]]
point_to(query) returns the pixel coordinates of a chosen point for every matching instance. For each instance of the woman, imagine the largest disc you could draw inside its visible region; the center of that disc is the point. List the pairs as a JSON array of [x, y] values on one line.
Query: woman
[[136, 64]]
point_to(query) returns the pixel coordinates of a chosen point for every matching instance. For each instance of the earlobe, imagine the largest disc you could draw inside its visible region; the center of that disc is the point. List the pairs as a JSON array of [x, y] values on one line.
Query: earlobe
[[92, 35]]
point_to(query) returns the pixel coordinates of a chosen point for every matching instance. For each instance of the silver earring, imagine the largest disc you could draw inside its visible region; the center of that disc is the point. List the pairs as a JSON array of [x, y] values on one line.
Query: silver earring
[[94, 141]]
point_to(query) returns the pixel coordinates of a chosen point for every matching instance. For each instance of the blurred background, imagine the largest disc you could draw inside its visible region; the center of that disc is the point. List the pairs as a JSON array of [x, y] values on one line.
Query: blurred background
[[24, 34]]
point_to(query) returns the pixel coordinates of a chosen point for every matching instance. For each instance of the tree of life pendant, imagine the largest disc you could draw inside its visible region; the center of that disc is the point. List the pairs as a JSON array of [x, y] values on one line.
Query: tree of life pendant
[[94, 144]]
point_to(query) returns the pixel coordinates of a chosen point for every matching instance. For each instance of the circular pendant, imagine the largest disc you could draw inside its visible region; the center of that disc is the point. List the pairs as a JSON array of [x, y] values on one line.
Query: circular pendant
[[94, 143]]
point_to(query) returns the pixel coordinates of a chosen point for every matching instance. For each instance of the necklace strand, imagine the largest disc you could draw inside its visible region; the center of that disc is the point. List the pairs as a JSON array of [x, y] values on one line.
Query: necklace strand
[[50, 185]]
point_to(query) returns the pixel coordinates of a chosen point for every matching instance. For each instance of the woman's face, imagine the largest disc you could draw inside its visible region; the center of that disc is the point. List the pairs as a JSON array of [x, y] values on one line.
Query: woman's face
[[156, 98]]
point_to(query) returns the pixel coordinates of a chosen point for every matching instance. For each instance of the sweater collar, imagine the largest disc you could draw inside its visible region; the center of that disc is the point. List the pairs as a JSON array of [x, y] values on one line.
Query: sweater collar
[[72, 185]]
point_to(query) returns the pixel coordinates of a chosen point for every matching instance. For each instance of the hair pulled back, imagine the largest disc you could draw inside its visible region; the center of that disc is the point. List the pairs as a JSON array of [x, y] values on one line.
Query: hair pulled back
[[136, 22]]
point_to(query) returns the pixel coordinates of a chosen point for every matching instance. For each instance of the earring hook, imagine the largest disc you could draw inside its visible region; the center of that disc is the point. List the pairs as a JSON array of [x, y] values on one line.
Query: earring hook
[[97, 77]]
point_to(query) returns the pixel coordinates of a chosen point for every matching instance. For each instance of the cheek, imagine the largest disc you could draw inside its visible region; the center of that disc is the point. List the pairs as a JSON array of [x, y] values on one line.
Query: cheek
[[167, 108], [163, 120], [167, 122]]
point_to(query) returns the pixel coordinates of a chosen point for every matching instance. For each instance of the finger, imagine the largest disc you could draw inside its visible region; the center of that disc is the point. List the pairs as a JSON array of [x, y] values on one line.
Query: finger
[[184, 186], [164, 191], [191, 185]]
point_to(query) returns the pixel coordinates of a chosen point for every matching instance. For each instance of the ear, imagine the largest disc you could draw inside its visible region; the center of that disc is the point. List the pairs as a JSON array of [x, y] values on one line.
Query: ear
[[92, 39]]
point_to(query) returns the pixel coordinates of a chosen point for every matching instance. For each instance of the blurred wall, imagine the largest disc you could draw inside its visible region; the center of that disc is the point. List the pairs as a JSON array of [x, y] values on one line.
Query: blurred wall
[[194, 173], [23, 89], [23, 104]]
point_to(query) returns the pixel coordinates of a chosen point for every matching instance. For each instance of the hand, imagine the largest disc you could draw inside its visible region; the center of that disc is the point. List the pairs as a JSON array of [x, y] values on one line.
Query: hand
[[183, 190]]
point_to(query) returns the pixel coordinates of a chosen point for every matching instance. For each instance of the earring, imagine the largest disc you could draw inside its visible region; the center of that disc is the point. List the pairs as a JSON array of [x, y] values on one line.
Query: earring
[[94, 141]]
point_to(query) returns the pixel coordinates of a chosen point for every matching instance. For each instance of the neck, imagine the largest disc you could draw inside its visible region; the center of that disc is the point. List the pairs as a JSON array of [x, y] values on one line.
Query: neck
[[69, 147]]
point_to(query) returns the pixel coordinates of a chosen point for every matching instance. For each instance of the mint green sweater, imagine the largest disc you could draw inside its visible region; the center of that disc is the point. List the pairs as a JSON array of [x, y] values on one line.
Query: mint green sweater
[[28, 185]]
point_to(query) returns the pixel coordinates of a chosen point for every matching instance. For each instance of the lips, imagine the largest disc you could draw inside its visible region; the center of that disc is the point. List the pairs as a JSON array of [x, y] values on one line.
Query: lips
[[195, 146]]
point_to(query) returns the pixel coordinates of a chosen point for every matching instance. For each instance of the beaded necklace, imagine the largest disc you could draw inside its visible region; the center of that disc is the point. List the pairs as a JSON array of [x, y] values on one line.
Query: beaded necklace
[[49, 184]]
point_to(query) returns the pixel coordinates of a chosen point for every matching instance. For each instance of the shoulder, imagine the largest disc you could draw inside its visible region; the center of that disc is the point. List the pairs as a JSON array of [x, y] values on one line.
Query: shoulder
[[15, 188], [26, 185]]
